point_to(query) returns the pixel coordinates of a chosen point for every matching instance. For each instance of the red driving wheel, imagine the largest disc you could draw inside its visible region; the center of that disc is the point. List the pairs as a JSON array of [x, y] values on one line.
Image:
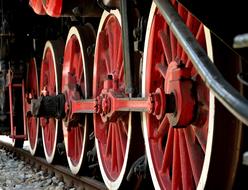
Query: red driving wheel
[[49, 85], [32, 91], [76, 85], [113, 135], [180, 134]]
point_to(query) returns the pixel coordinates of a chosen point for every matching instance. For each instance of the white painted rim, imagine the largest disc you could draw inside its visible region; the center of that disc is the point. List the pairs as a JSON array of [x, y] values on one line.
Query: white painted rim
[[75, 169], [108, 182], [143, 114], [207, 158], [208, 153], [50, 158], [33, 150], [113, 185]]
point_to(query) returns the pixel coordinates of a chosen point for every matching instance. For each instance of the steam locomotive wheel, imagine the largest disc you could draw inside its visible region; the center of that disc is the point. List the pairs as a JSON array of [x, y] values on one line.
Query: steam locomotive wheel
[[183, 141], [112, 135], [32, 91], [75, 85], [49, 85]]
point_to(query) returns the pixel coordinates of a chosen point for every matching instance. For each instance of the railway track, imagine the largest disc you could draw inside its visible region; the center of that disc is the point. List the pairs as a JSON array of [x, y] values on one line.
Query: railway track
[[61, 172]]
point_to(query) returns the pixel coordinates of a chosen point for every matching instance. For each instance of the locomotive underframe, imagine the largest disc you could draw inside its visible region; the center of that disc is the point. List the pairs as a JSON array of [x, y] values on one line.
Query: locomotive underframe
[[111, 103]]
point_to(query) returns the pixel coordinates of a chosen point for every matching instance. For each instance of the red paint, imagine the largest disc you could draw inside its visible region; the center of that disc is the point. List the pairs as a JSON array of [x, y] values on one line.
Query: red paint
[[53, 7], [73, 75], [108, 67], [177, 148], [37, 6], [31, 92], [47, 81]]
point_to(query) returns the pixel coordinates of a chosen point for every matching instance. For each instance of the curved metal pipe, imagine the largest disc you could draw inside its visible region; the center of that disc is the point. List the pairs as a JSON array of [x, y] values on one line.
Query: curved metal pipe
[[223, 91]]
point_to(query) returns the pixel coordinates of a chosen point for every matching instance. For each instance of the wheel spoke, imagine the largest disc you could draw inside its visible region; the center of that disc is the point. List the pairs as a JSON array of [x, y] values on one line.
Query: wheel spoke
[[119, 62], [109, 140], [115, 41], [122, 138], [200, 37], [103, 46], [201, 135], [121, 72], [102, 132], [119, 148], [176, 167], [151, 129], [50, 73], [168, 153], [187, 178], [184, 57], [161, 68], [110, 52], [173, 43], [75, 140], [165, 41], [174, 3], [183, 12], [192, 24], [113, 149], [162, 129], [179, 50], [78, 142], [189, 64], [196, 154], [107, 61], [70, 53]]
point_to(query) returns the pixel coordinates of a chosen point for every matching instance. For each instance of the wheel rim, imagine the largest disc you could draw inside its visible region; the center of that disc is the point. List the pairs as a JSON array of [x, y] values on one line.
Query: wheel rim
[[175, 155], [53, 7], [32, 91], [48, 81], [75, 76], [37, 6], [112, 137]]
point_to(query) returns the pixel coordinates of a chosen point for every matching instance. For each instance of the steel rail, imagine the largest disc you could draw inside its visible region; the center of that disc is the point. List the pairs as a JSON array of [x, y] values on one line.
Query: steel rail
[[61, 172], [224, 92]]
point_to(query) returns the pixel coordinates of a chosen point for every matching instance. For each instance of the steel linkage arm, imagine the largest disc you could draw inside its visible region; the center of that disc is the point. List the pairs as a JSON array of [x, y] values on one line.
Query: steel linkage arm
[[223, 91]]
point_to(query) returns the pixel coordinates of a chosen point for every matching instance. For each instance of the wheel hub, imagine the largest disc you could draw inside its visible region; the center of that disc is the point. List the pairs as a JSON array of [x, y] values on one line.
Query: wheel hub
[[161, 103], [105, 102], [105, 105], [72, 94], [179, 83]]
